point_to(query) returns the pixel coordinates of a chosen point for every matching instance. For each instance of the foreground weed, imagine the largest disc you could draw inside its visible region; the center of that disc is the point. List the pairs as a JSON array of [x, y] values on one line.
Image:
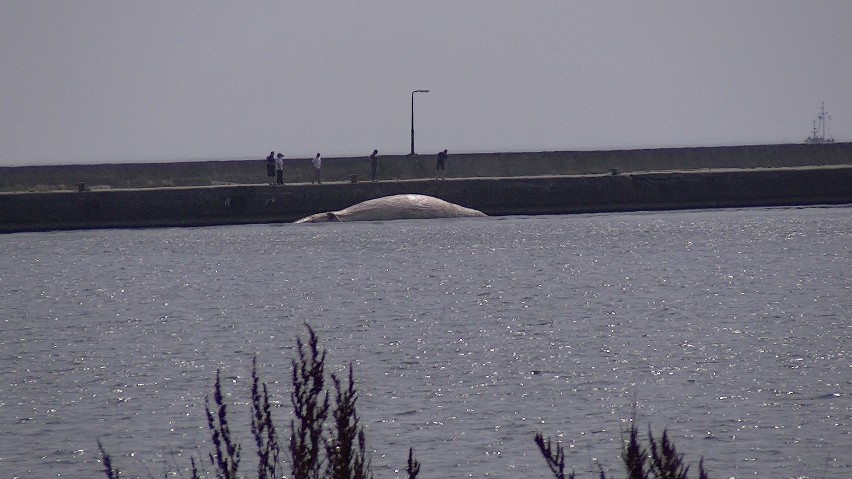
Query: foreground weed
[[663, 461], [310, 409], [413, 468], [555, 459], [263, 428], [345, 461], [110, 472], [226, 454], [633, 454]]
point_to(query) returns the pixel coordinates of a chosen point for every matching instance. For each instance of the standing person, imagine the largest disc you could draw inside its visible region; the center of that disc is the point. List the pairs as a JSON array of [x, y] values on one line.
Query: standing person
[[317, 168], [270, 166], [279, 169], [374, 164], [439, 167]]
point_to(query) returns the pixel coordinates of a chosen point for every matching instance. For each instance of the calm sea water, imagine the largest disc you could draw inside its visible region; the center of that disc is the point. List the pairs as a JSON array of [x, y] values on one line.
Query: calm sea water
[[731, 328]]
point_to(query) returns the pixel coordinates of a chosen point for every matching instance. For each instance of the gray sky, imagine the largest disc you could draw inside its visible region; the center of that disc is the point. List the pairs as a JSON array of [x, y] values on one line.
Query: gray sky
[[89, 81]]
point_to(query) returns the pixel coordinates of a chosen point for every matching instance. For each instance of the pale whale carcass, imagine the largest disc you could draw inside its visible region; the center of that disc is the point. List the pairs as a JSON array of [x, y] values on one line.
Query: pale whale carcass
[[396, 207]]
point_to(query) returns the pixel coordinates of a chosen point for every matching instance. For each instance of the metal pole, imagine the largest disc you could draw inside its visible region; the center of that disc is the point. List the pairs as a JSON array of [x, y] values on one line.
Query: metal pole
[[412, 117]]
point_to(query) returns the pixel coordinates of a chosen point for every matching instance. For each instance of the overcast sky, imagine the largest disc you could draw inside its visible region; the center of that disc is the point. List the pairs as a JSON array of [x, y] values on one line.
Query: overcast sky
[[88, 81]]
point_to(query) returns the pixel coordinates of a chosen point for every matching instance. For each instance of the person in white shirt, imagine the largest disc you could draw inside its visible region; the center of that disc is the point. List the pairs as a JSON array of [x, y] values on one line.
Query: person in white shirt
[[279, 169], [317, 168]]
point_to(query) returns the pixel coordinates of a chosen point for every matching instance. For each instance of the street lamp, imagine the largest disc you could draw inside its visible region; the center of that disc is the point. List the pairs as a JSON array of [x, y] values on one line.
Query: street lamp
[[412, 117]]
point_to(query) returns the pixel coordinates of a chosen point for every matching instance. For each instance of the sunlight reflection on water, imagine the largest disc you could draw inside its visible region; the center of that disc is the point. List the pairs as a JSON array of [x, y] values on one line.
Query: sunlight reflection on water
[[467, 337]]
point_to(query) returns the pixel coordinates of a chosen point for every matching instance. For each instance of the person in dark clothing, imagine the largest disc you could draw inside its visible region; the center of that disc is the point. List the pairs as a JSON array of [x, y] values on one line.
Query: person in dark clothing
[[270, 166], [374, 164], [439, 167]]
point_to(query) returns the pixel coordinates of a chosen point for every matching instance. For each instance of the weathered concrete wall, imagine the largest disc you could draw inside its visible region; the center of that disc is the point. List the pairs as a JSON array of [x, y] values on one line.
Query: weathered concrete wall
[[215, 205], [205, 173]]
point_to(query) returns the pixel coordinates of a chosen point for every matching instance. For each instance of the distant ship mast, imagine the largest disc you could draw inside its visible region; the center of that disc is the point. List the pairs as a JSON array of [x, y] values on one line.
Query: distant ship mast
[[820, 125]]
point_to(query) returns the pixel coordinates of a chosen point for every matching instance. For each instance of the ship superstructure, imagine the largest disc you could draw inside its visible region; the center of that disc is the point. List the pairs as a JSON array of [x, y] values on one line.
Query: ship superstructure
[[818, 134]]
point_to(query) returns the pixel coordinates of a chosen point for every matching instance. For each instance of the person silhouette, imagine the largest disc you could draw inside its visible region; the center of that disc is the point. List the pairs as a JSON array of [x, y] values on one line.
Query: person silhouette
[[270, 166], [439, 166], [374, 164], [317, 167], [279, 169]]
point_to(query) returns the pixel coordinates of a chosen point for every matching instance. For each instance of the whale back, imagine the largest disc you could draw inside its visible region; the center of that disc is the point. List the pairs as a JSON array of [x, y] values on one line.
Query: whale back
[[407, 206]]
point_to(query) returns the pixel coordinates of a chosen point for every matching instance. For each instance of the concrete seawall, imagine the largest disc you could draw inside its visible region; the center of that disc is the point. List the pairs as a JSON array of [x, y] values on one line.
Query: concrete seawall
[[474, 165], [240, 204]]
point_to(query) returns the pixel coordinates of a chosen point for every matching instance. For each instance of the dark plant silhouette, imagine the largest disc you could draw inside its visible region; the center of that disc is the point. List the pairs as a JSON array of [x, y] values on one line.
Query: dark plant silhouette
[[555, 460], [340, 452], [194, 469], [344, 460], [110, 472], [263, 428], [413, 468], [316, 453], [663, 462], [633, 454], [310, 408], [226, 455]]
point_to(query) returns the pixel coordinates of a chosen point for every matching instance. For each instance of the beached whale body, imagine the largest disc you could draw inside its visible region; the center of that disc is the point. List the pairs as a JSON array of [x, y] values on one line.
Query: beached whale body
[[396, 207]]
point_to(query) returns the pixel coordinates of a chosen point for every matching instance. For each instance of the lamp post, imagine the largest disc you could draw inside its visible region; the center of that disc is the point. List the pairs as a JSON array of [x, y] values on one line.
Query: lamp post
[[412, 117]]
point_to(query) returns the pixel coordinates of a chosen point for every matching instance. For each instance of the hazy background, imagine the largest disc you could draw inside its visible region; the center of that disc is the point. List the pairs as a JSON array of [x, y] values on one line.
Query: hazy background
[[115, 81]]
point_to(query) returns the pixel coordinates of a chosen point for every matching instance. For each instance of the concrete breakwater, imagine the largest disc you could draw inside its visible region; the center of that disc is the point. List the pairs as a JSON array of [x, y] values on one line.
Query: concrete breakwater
[[263, 203], [473, 165]]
